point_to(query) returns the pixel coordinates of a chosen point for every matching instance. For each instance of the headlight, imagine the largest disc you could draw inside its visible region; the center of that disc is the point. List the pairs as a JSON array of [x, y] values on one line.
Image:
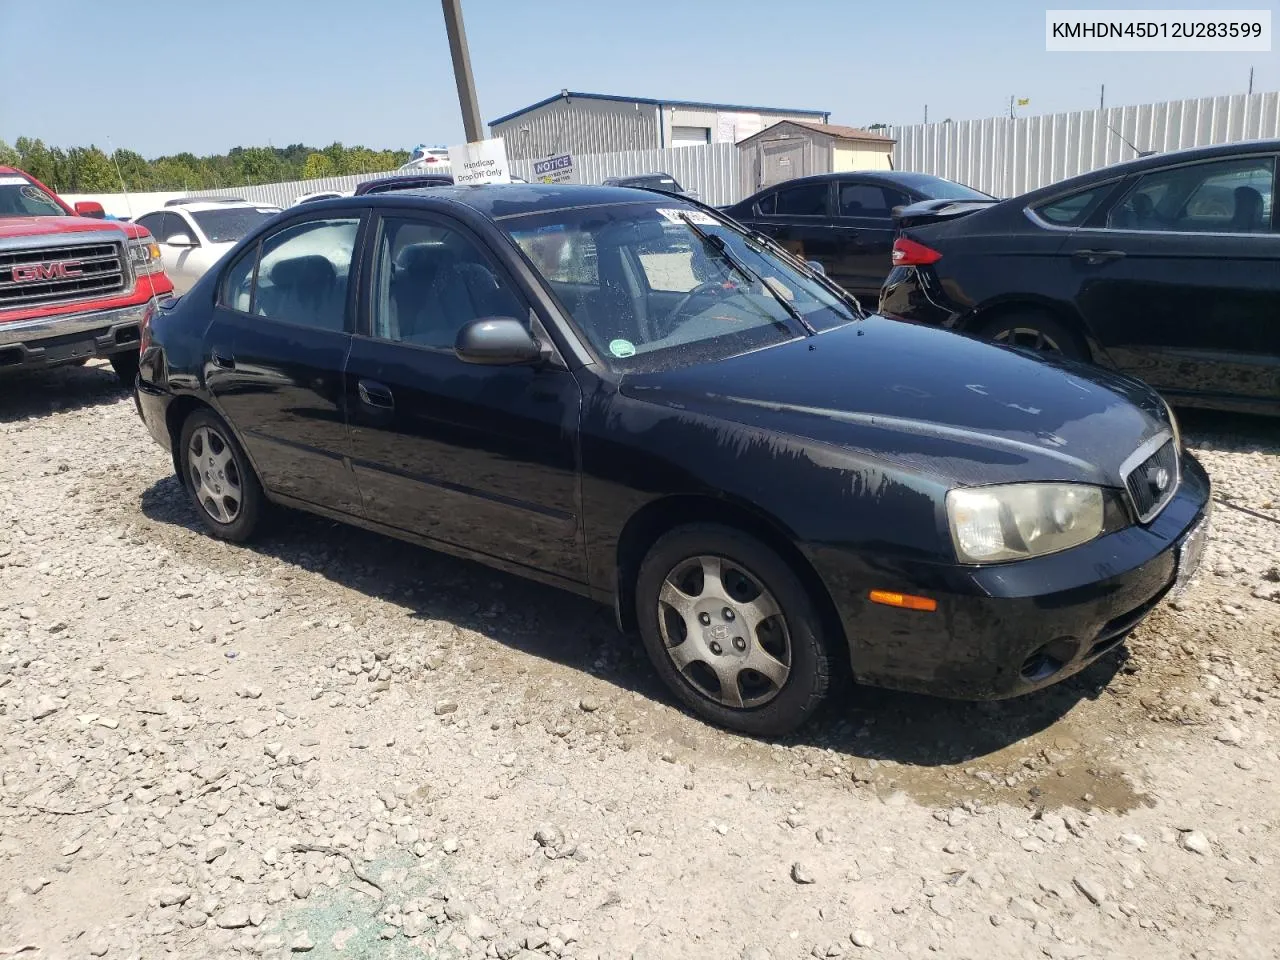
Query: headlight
[[144, 254], [1018, 520]]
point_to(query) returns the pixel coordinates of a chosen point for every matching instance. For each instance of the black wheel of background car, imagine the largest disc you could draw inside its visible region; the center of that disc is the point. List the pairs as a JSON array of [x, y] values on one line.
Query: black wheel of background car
[[126, 366], [732, 630], [1036, 331], [219, 478]]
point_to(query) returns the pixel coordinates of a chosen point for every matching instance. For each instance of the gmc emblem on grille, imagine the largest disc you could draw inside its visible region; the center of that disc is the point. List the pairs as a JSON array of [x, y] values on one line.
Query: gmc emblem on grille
[[57, 270]]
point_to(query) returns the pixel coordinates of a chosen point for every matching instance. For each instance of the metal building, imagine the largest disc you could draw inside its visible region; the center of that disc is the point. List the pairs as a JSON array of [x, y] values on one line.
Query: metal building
[[795, 148], [584, 123]]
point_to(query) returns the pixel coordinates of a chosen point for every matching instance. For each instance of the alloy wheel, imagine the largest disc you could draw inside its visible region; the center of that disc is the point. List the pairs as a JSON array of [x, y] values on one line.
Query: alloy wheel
[[215, 478], [1029, 338], [724, 632]]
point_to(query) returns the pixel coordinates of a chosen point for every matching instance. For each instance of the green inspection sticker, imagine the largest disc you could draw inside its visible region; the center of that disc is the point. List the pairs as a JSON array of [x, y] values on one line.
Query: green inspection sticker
[[622, 348]]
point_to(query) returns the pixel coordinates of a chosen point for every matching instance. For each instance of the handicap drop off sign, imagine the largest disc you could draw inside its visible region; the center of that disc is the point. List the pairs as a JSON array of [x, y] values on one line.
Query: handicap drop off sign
[[553, 169], [484, 161]]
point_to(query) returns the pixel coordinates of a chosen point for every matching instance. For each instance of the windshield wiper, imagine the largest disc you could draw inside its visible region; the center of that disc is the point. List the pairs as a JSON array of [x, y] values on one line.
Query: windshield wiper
[[717, 243], [766, 242]]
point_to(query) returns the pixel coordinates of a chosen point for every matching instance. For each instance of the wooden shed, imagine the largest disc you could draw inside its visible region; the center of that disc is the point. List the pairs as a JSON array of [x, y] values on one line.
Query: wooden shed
[[792, 148]]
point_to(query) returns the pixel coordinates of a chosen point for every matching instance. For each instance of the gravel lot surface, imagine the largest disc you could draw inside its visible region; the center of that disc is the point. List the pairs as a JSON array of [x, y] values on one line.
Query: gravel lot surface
[[331, 744]]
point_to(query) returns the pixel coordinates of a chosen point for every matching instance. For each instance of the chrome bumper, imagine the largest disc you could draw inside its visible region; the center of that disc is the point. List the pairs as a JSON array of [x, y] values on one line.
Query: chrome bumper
[[69, 324]]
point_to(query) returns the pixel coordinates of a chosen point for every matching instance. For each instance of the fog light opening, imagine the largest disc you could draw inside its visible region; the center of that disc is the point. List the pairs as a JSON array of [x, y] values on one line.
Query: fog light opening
[[1046, 660]]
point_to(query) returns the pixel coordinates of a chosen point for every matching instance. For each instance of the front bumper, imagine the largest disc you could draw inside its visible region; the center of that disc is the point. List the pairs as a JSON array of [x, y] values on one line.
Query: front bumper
[[54, 340], [1009, 629]]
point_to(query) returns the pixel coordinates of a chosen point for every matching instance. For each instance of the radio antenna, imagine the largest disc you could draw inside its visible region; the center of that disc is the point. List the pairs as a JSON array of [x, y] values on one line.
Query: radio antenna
[[123, 189]]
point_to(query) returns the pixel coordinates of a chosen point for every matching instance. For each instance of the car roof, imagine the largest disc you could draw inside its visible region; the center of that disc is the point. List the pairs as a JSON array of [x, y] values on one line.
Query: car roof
[[498, 201]]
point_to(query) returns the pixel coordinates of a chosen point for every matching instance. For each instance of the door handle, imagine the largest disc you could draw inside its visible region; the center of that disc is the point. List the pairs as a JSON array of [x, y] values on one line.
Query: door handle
[[376, 395], [226, 363], [1098, 256]]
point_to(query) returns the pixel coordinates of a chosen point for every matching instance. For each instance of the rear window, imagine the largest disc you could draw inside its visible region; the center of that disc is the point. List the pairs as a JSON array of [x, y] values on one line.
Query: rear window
[[227, 226], [19, 197], [1072, 210], [936, 188]]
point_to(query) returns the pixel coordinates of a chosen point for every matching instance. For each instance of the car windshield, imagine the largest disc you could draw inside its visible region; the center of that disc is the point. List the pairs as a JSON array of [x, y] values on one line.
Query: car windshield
[[649, 292], [228, 226], [936, 188], [19, 197]]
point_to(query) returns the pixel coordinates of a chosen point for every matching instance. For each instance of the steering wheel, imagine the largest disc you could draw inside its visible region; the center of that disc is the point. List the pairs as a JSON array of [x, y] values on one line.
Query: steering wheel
[[703, 289]]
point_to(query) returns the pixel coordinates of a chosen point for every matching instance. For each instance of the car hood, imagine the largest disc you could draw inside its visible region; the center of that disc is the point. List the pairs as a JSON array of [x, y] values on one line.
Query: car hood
[[933, 402], [55, 226]]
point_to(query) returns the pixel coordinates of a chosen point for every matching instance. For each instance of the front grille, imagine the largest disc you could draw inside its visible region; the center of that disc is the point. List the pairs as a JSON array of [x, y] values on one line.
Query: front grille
[[44, 275], [1143, 481]]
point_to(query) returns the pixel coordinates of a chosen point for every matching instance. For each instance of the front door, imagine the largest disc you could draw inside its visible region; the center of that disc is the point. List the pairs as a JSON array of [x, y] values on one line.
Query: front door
[[864, 233], [275, 352], [1180, 279], [483, 458], [799, 217]]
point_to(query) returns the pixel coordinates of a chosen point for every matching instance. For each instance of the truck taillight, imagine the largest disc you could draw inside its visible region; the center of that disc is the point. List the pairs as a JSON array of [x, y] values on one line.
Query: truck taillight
[[912, 253]]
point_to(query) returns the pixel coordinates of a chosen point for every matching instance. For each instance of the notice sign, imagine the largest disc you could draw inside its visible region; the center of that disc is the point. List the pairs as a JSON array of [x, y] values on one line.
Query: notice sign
[[484, 161], [553, 169]]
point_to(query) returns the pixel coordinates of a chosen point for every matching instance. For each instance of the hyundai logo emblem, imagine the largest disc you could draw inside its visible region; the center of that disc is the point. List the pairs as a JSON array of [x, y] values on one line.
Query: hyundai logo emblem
[[1159, 479]]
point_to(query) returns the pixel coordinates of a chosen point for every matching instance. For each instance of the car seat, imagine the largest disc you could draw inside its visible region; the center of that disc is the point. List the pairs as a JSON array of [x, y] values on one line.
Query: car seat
[[412, 274], [461, 291], [305, 290], [1248, 212]]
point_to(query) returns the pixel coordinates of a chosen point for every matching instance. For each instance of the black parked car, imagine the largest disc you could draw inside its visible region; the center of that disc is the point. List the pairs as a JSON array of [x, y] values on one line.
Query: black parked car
[[624, 395], [1167, 268], [844, 221], [407, 181]]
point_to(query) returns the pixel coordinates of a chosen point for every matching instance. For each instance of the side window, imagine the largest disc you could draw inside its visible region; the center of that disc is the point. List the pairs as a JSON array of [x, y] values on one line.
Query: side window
[[767, 204], [806, 200], [1227, 196], [303, 273], [1071, 211], [237, 286], [155, 224], [430, 281], [868, 200]]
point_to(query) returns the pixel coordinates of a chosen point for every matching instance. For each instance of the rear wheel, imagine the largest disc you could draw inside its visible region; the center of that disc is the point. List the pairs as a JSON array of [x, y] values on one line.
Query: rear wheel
[[1036, 331], [732, 630], [126, 366], [219, 478]]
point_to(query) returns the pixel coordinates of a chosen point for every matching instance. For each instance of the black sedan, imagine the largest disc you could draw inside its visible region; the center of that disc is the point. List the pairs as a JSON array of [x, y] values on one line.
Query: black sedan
[[844, 221], [625, 395], [1166, 268]]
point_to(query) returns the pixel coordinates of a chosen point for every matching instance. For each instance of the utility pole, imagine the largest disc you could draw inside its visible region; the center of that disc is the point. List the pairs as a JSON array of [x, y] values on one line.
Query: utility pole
[[1011, 108], [926, 113], [1251, 81], [462, 70], [1102, 97]]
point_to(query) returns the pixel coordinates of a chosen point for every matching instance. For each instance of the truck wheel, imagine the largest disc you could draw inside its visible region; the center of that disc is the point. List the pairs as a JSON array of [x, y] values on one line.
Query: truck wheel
[[126, 366], [732, 630], [219, 478]]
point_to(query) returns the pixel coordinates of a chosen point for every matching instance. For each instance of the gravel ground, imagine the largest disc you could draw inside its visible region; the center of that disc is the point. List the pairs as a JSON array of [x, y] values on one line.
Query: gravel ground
[[330, 744]]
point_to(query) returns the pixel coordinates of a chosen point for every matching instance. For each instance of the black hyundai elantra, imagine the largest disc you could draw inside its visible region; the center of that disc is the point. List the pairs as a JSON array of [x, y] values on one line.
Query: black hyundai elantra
[[625, 395]]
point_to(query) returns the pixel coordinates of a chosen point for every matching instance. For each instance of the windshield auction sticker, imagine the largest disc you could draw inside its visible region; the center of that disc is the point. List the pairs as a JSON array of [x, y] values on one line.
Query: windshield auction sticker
[[697, 216], [622, 348]]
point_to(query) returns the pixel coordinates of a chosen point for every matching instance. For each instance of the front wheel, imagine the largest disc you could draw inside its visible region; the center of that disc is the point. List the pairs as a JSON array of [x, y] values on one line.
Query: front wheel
[[219, 478], [732, 630], [126, 366]]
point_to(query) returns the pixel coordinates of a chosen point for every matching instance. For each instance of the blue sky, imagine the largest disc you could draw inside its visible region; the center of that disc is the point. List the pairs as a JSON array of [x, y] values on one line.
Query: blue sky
[[204, 77]]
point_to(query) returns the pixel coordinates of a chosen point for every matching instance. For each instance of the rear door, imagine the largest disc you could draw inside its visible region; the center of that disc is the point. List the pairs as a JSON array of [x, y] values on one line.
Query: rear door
[[1180, 278], [799, 217], [481, 458], [275, 352], [864, 232]]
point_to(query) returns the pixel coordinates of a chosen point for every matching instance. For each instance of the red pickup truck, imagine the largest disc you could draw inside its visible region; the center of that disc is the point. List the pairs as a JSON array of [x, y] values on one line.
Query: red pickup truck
[[73, 285]]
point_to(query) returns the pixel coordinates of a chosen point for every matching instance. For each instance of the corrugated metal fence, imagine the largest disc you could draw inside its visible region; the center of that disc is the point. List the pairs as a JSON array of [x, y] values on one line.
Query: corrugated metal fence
[[1008, 156]]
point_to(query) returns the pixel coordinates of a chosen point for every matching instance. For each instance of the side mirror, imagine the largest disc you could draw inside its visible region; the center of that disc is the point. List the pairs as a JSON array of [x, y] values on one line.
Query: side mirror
[[180, 240], [90, 208], [816, 267], [896, 212], [497, 341]]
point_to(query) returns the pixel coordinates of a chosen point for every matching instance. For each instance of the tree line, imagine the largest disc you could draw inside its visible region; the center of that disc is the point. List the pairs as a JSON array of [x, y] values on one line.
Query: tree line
[[93, 170]]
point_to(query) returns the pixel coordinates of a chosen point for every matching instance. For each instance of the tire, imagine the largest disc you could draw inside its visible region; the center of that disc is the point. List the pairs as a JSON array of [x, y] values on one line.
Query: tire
[[219, 478], [793, 637], [126, 366], [1026, 327]]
